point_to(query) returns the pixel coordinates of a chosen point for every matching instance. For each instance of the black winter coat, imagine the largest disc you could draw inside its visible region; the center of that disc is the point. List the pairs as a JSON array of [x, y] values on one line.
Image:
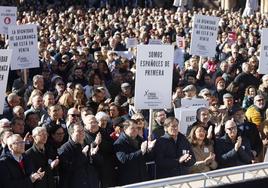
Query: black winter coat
[[11, 175], [167, 154], [228, 157], [106, 151], [132, 163], [75, 168], [40, 160]]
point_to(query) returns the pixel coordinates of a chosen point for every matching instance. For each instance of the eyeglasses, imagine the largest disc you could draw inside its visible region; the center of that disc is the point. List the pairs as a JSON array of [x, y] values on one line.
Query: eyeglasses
[[60, 84], [20, 143], [232, 128], [259, 100], [74, 115]]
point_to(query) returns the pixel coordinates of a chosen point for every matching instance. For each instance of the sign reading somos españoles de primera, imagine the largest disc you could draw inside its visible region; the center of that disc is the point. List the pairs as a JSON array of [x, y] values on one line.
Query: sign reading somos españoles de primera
[[154, 71]]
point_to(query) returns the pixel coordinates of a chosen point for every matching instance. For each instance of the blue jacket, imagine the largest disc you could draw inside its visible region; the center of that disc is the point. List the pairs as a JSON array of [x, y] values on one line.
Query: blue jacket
[[75, 168], [167, 154], [226, 154], [132, 164]]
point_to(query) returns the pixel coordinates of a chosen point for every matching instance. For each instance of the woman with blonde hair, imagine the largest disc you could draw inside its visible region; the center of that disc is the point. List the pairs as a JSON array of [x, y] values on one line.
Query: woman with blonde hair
[[66, 100], [79, 95], [203, 150], [34, 93]]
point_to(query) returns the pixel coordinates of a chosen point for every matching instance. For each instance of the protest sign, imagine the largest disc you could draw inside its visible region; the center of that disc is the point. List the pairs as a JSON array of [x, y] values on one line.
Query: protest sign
[[154, 70], [194, 102], [5, 58], [232, 37], [131, 43], [23, 41], [263, 64], [155, 41], [204, 36], [125, 54], [186, 116], [8, 17]]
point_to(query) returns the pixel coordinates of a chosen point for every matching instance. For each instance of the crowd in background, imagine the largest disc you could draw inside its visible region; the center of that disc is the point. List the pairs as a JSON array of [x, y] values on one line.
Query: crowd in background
[[72, 122]]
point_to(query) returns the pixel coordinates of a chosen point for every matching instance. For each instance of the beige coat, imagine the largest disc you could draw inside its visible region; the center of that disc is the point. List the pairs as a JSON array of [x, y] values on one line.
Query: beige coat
[[201, 153]]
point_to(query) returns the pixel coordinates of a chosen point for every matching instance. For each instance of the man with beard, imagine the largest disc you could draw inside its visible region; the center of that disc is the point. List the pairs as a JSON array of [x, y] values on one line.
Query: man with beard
[[159, 119], [256, 112]]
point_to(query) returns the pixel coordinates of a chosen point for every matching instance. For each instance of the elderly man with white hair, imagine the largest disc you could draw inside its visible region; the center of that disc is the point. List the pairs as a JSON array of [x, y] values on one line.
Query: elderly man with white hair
[[103, 122], [4, 123], [40, 157], [232, 149], [16, 168]]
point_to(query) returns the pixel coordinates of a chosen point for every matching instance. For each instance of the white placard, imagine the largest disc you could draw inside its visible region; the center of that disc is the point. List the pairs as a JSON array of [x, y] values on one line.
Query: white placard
[[125, 54], [5, 58], [8, 17], [204, 35], [154, 70], [132, 43], [194, 102], [23, 41], [179, 3], [155, 41], [186, 117], [263, 65]]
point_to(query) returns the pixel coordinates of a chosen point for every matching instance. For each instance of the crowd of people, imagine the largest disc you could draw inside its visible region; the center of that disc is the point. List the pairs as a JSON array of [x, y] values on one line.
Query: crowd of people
[[72, 121]]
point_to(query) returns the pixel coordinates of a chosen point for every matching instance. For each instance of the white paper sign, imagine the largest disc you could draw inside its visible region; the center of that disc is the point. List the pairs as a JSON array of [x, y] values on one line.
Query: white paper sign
[[155, 41], [8, 17], [125, 54], [23, 41], [186, 117], [154, 70], [263, 65], [178, 3], [194, 102], [5, 58], [204, 36], [132, 43]]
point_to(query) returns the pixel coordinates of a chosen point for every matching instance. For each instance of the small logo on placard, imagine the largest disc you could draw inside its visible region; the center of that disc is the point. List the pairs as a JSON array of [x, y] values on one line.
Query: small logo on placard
[[23, 59]]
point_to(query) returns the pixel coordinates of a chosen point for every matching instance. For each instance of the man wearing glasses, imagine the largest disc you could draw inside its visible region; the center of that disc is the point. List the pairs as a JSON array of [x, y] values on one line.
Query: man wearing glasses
[[232, 149], [256, 112], [15, 168]]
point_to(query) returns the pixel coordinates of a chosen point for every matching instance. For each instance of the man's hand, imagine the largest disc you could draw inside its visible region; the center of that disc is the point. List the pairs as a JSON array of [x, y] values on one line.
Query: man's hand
[[185, 158], [98, 139], [238, 143], [85, 150], [37, 175], [55, 163]]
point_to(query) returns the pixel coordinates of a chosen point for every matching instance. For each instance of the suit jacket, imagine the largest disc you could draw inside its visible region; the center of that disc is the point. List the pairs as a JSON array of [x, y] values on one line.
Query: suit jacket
[[75, 168], [167, 154], [11, 175], [41, 160]]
